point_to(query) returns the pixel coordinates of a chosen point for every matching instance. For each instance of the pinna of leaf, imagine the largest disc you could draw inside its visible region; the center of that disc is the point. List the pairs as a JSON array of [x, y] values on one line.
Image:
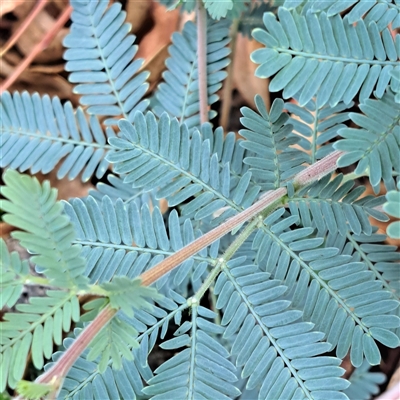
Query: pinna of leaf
[[302, 273]]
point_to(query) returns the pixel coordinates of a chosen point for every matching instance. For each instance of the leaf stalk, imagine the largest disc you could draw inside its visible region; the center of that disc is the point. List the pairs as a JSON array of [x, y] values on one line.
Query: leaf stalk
[[202, 59], [260, 209]]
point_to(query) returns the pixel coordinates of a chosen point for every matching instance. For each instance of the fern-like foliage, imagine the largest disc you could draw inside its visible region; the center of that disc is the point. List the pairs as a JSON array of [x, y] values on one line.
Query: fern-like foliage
[[126, 295], [317, 126], [383, 12], [179, 93], [376, 145], [307, 276], [279, 353], [34, 329], [324, 57], [164, 155], [85, 379], [391, 207], [14, 272], [218, 9], [99, 57], [116, 338], [381, 258], [39, 132], [338, 302], [203, 370], [329, 205], [269, 138], [326, 280], [48, 234], [395, 84], [124, 240], [35, 391], [117, 189], [252, 17], [363, 383]]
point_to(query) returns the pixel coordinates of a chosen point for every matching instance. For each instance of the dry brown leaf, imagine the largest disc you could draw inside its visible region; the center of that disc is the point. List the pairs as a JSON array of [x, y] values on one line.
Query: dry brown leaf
[[244, 80], [137, 12], [53, 85], [35, 32], [47, 69], [5, 230], [66, 188], [165, 23], [59, 4], [7, 6], [8, 61], [156, 65]]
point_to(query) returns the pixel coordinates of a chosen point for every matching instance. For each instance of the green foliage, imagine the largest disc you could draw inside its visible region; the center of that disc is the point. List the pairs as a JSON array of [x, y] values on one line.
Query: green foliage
[[179, 93], [34, 329], [308, 276], [58, 135], [84, 377], [125, 294], [324, 57], [33, 391], [47, 232], [40, 323], [116, 338], [374, 146], [99, 41], [218, 9], [269, 139], [384, 12], [14, 272], [363, 383], [392, 208]]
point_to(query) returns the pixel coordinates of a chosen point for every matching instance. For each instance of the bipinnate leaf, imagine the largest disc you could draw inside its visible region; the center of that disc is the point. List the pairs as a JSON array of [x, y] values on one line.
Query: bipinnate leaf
[[45, 231], [128, 294]]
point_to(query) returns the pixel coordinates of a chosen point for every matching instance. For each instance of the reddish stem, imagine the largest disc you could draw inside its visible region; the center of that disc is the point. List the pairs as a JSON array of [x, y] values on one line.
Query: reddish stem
[[21, 29], [191, 249], [310, 174], [67, 360], [202, 60], [42, 45], [318, 170]]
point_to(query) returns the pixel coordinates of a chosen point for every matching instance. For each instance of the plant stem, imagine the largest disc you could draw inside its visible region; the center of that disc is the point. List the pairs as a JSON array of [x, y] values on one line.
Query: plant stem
[[262, 207], [227, 90], [202, 59], [317, 170], [67, 360], [353, 176], [36, 280], [22, 28], [230, 251], [191, 249], [305, 177], [42, 45]]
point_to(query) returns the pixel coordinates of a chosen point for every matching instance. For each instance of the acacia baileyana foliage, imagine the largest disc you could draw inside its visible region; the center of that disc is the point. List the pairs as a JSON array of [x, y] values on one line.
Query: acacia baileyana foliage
[[290, 292]]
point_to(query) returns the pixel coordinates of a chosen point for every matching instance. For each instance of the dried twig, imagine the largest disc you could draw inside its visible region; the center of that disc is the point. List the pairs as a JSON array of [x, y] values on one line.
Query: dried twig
[[22, 28], [47, 39], [201, 15]]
